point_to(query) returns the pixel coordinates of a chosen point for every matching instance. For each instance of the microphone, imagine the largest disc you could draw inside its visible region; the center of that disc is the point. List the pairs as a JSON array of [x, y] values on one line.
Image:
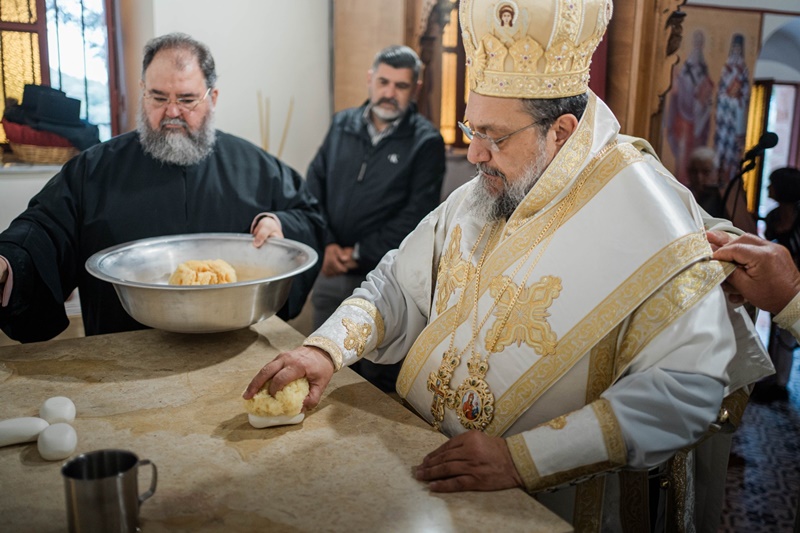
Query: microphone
[[767, 140]]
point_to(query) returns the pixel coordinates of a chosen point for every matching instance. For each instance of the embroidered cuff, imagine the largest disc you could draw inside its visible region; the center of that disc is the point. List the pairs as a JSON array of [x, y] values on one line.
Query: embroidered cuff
[[354, 329], [569, 448], [328, 346], [789, 317]]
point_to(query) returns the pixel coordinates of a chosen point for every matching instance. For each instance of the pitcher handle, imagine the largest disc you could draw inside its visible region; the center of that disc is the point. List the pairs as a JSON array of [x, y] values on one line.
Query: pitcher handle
[[153, 481]]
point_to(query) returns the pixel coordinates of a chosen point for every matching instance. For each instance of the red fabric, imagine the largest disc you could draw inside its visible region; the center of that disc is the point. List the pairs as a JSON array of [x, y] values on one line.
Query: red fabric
[[23, 134]]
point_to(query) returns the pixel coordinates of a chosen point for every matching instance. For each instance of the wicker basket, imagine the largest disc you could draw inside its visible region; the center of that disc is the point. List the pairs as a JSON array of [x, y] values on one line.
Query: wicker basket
[[43, 155]]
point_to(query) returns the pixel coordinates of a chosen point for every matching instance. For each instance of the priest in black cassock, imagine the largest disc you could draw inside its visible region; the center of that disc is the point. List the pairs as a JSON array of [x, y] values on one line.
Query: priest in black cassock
[[175, 174]]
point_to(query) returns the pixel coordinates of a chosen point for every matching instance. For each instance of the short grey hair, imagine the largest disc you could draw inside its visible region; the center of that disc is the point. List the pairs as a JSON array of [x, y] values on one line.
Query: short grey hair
[[545, 111], [182, 41], [398, 56]]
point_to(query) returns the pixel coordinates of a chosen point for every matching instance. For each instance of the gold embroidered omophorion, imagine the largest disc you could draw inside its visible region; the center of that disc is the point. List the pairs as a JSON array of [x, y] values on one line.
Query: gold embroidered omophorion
[[473, 400]]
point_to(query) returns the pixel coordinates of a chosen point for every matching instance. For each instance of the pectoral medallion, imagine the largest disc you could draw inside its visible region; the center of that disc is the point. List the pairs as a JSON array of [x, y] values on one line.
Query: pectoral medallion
[[475, 408]]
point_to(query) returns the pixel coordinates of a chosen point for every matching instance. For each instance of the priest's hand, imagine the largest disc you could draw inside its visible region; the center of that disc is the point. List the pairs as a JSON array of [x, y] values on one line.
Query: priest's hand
[[766, 275], [470, 461], [337, 260], [3, 271], [303, 362], [266, 227]]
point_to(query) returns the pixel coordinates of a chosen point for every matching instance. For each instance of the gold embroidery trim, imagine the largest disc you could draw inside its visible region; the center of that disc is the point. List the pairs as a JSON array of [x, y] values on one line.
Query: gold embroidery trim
[[612, 434], [328, 346], [521, 456], [601, 366], [594, 326], [665, 306], [559, 422], [588, 506], [372, 311]]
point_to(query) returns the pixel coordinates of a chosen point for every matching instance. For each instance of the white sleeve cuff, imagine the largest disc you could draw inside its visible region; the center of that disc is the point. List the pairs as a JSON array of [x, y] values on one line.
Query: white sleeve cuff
[[789, 317]]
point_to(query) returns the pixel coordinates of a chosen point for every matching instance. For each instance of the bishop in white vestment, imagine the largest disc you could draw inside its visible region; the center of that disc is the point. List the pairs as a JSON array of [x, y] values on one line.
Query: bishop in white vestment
[[585, 325]]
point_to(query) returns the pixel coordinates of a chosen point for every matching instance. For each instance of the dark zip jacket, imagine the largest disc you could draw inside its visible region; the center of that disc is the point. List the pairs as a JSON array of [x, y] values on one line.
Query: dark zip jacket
[[375, 195]]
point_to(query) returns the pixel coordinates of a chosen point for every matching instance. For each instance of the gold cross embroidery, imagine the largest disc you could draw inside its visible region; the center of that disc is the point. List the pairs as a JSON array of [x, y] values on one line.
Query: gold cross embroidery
[[357, 335], [527, 320]]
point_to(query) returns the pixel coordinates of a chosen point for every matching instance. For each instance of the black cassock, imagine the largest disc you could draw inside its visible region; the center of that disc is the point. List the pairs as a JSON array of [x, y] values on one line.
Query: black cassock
[[114, 193]]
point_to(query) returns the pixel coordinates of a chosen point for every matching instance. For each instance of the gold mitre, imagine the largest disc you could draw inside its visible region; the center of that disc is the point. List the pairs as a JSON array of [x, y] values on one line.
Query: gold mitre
[[531, 48]]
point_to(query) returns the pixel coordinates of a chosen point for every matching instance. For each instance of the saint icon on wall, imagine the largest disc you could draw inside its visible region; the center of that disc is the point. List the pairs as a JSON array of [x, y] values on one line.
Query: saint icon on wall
[[688, 120], [733, 101]]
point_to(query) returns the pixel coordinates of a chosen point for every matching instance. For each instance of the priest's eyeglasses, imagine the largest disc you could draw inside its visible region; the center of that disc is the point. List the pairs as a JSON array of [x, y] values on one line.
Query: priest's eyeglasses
[[494, 144], [185, 103]]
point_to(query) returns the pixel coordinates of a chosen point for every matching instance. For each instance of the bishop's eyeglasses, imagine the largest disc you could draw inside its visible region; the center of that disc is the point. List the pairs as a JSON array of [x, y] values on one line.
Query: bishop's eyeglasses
[[494, 144], [184, 103]]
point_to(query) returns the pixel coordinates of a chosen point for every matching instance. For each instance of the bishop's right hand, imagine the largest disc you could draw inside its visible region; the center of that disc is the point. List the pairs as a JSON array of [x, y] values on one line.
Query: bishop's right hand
[[309, 362]]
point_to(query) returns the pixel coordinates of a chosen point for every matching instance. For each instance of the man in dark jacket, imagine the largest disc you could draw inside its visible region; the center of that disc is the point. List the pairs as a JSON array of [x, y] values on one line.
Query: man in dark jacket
[[377, 174]]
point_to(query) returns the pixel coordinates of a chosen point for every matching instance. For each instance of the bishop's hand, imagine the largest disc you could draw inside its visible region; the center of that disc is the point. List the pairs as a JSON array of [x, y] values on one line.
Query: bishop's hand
[[470, 461]]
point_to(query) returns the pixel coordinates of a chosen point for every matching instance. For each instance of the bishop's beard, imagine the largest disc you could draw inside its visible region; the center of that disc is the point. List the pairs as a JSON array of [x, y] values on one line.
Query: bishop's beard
[[489, 206]]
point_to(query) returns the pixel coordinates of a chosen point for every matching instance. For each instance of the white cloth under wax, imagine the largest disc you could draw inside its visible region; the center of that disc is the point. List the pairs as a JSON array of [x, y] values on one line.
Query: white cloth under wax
[[632, 227]]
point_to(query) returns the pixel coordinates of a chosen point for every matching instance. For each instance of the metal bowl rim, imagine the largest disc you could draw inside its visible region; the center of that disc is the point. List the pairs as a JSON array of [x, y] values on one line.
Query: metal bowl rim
[[92, 264]]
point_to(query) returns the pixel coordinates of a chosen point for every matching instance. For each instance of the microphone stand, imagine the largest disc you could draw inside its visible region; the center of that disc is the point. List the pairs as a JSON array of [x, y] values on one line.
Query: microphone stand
[[737, 182]]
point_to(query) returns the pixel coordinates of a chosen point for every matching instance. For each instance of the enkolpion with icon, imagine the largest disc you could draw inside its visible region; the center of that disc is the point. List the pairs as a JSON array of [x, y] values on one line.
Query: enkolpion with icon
[[521, 327]]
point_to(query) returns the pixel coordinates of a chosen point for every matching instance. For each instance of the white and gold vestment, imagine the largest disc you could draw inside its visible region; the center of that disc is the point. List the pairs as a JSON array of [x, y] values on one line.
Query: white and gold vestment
[[589, 329]]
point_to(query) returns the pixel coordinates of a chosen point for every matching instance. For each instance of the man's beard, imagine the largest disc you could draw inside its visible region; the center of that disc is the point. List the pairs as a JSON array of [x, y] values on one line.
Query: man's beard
[[489, 206], [177, 147], [384, 114]]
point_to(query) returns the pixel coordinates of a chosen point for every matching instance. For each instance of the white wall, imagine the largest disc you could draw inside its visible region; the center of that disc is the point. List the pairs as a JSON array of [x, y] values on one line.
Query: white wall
[[278, 47], [18, 185]]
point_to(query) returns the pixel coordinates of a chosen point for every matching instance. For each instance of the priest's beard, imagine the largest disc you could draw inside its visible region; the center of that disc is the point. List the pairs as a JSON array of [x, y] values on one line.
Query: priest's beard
[[182, 148], [488, 205]]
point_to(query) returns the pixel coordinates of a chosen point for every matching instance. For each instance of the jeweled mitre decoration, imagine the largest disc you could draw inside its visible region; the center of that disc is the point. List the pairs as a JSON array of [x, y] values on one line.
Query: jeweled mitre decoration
[[531, 48]]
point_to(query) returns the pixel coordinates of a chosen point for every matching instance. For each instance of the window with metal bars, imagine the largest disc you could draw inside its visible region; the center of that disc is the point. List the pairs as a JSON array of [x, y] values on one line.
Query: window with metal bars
[[63, 44]]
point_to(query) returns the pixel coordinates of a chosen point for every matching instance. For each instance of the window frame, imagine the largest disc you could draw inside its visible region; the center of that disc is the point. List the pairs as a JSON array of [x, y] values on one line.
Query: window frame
[[39, 27]]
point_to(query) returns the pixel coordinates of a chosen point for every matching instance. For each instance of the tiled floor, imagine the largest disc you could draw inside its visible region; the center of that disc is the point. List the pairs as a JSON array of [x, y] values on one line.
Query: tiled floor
[[762, 494]]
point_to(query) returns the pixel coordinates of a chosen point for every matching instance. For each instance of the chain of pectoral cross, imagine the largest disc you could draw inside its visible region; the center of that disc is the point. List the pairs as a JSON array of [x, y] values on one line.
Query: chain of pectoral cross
[[439, 382]]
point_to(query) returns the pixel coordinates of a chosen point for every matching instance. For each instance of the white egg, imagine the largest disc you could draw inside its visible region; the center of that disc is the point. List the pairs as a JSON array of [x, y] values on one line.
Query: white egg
[[267, 421], [58, 409], [23, 429], [57, 441]]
